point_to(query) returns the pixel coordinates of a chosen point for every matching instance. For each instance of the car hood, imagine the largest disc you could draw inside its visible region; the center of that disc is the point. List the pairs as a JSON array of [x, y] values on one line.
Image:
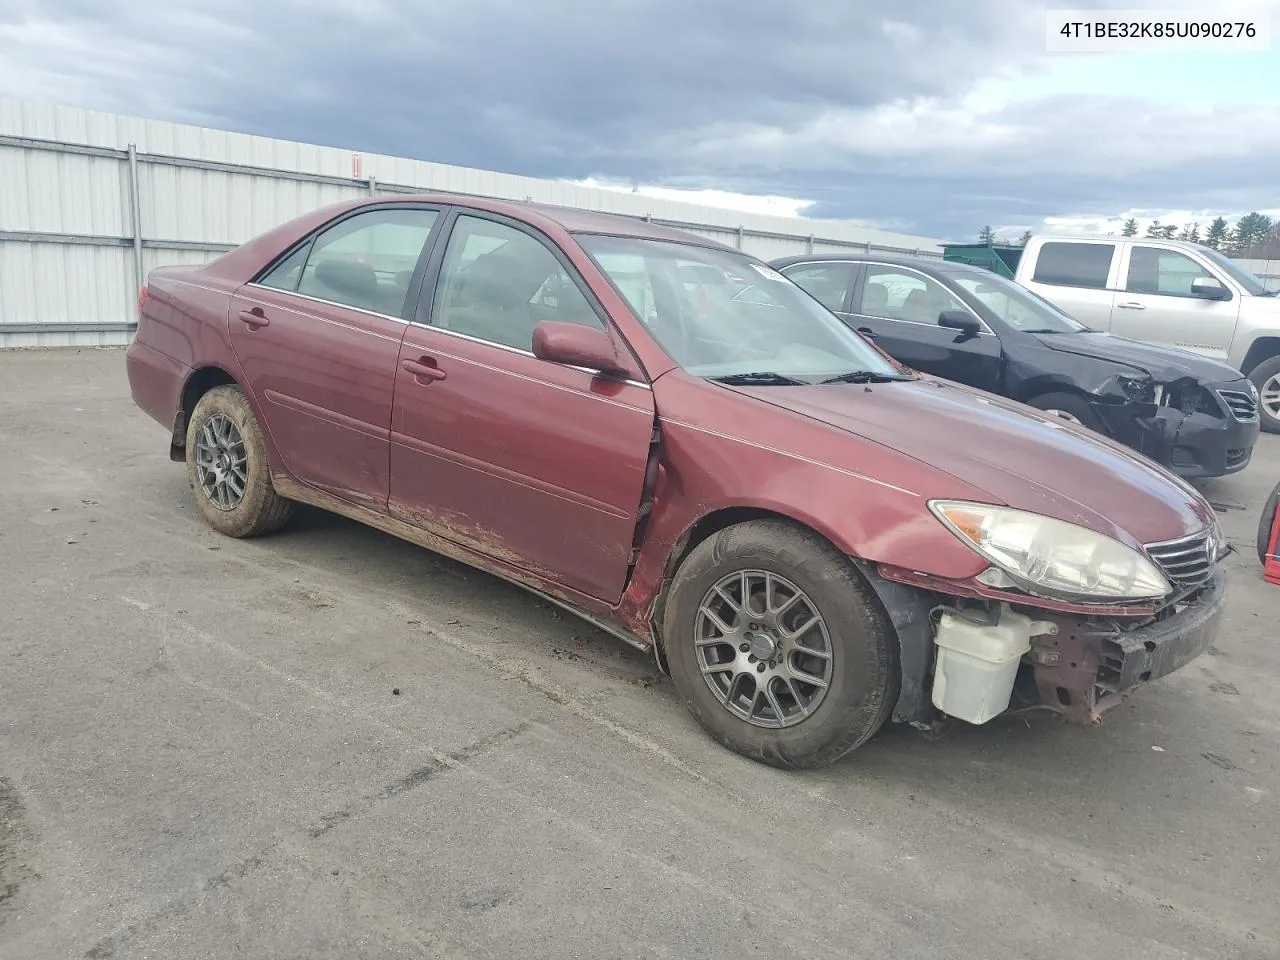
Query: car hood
[[1016, 455], [1165, 364]]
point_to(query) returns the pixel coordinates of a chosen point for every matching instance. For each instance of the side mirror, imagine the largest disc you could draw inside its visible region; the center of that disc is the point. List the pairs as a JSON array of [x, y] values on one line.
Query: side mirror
[[1207, 288], [575, 345], [960, 320]]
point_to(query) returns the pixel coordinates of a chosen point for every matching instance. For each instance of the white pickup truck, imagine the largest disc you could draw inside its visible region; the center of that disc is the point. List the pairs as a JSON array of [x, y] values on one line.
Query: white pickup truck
[[1168, 292]]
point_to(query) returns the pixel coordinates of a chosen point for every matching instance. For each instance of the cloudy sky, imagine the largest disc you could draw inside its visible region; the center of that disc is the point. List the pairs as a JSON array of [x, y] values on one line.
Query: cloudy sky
[[928, 116]]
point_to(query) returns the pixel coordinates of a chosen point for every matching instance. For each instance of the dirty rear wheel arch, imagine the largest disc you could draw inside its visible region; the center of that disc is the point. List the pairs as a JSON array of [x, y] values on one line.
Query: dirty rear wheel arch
[[863, 678], [200, 382]]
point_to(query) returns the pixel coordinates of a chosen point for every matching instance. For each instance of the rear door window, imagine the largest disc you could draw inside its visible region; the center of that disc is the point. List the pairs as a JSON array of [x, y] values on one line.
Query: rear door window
[[367, 261], [1067, 264]]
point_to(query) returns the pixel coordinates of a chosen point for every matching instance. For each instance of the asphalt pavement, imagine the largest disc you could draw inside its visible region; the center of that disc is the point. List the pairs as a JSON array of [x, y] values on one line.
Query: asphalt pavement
[[330, 743]]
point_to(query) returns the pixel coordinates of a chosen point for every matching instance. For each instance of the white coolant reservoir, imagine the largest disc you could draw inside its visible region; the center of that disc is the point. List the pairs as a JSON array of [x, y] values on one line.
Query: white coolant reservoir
[[978, 663]]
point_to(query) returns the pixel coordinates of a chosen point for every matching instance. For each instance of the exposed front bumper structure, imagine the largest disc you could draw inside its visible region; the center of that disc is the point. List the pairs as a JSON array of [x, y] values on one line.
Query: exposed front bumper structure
[[1213, 437], [1090, 665], [1075, 665]]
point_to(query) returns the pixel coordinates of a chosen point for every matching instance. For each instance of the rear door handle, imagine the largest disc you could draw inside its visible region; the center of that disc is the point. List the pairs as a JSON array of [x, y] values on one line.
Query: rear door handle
[[1132, 305], [254, 318], [424, 369]]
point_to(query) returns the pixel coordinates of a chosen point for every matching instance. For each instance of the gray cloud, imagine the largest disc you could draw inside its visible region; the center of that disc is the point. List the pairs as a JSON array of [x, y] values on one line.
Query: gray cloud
[[811, 100]]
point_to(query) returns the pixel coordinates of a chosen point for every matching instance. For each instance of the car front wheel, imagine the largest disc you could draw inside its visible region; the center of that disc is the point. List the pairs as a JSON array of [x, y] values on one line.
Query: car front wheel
[[1266, 377], [228, 469], [778, 647]]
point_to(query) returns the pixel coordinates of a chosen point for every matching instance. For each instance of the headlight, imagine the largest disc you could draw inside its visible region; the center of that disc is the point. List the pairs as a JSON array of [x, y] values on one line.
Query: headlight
[[1050, 557]]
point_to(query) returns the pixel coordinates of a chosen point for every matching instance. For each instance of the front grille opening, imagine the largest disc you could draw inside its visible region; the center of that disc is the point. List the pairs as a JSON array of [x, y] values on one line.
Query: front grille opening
[[1186, 562], [1183, 457], [1241, 404], [1237, 456]]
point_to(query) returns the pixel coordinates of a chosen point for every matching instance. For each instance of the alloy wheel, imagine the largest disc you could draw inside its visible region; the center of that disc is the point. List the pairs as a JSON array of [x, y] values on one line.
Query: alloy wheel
[[221, 462], [1269, 396], [763, 648]]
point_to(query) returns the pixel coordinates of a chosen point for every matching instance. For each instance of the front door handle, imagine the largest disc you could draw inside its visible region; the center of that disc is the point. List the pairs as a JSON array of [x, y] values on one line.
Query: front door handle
[[867, 332], [253, 319], [1132, 305], [424, 369]]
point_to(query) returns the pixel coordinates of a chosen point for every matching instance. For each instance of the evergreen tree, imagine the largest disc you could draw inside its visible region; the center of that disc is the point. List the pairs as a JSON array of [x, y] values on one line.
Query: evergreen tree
[[987, 235], [1022, 240], [1251, 230], [1155, 229], [1130, 228], [1169, 231], [1217, 236], [1190, 233]]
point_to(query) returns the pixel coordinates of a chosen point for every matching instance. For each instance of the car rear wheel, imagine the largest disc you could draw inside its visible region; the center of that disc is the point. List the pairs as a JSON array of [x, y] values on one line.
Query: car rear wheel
[[1068, 407], [1266, 377], [228, 469], [779, 649]]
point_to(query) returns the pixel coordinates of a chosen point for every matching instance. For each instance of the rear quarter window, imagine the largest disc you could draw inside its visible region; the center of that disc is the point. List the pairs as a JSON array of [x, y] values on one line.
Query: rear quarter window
[[1066, 264]]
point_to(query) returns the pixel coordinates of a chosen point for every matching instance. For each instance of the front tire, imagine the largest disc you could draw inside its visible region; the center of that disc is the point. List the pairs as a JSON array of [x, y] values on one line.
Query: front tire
[[1068, 407], [228, 469], [1266, 377], [778, 647]]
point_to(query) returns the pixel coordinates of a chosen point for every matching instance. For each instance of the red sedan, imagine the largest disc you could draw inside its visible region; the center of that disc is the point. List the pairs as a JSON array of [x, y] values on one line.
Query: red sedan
[[668, 437]]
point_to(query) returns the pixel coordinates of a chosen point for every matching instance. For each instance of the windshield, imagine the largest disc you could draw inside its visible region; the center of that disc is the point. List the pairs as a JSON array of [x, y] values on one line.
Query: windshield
[[1016, 305], [720, 314], [1251, 284]]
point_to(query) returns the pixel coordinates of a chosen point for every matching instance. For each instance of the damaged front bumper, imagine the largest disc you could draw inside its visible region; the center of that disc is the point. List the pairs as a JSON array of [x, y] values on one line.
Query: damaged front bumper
[[1197, 430], [1090, 665], [975, 659]]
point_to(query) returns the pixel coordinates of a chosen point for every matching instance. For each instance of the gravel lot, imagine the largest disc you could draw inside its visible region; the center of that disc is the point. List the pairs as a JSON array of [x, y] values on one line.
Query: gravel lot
[[202, 754]]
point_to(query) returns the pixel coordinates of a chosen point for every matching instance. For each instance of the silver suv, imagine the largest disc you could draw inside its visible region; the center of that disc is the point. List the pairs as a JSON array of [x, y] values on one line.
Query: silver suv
[[1168, 292]]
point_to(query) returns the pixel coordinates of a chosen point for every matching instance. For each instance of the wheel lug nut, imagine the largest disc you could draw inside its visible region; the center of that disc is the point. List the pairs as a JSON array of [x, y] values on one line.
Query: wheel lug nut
[[751, 659], [744, 647], [760, 668]]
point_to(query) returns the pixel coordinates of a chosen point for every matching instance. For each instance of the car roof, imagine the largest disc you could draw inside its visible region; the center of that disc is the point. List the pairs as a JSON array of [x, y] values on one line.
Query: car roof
[[570, 219], [896, 259]]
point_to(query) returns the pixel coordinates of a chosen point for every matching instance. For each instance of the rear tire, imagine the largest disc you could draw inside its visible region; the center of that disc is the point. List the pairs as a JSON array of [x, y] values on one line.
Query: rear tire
[[1069, 407], [1266, 377], [228, 469], [780, 560]]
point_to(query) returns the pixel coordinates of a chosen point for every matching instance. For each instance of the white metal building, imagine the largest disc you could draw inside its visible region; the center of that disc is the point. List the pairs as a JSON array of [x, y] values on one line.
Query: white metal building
[[89, 202]]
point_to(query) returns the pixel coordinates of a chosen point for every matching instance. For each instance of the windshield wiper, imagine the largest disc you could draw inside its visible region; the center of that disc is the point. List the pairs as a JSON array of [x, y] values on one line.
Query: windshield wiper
[[865, 376], [1049, 330], [764, 378]]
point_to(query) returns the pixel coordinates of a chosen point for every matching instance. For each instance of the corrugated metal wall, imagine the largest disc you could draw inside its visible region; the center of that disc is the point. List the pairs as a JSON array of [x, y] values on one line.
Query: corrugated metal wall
[[67, 248]]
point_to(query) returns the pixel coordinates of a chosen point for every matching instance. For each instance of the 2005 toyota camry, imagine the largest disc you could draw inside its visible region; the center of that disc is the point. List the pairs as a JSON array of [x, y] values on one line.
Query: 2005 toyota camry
[[674, 441]]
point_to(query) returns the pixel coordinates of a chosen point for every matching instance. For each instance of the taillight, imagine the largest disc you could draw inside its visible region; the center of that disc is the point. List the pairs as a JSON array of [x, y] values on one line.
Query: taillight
[[142, 298]]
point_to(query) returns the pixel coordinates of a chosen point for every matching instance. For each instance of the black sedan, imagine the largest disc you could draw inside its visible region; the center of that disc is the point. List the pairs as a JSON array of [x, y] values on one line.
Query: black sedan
[[1196, 416]]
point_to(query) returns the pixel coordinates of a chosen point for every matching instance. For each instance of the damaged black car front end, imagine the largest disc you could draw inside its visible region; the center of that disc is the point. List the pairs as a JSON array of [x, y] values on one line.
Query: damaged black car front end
[[1195, 416]]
